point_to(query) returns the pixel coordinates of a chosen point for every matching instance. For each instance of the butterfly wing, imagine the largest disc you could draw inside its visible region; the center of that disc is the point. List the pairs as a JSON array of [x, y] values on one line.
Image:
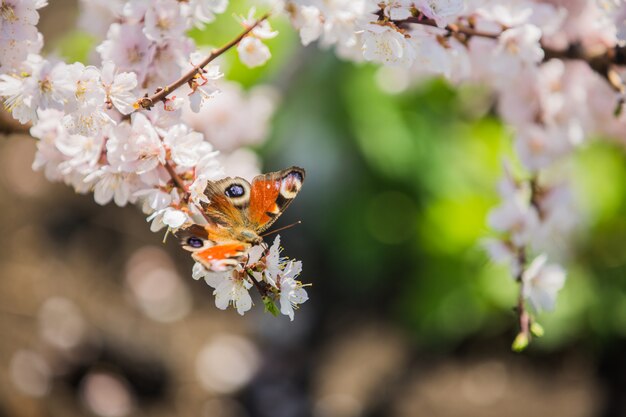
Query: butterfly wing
[[221, 257], [216, 245], [271, 194], [228, 200], [216, 253]]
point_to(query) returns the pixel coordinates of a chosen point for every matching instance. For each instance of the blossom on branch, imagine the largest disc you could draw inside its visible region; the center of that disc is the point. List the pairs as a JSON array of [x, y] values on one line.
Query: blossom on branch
[[252, 51], [263, 268], [542, 282]]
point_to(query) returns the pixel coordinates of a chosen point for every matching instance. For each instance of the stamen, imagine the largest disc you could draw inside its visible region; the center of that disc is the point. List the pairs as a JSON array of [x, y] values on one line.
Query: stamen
[[7, 12]]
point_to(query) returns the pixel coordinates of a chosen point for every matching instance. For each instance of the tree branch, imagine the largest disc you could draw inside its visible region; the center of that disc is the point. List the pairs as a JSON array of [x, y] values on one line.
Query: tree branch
[[262, 289], [451, 29], [175, 177], [602, 63], [161, 94]]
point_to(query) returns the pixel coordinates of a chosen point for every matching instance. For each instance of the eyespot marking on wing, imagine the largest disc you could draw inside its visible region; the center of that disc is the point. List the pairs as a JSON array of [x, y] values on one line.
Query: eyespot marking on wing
[[195, 242], [193, 237], [234, 190], [290, 184]]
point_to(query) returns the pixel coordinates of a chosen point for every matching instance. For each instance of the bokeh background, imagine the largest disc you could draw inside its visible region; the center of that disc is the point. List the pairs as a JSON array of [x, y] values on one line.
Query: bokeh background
[[407, 317]]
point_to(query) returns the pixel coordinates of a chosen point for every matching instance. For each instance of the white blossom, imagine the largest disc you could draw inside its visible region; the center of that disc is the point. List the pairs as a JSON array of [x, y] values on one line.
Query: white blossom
[[41, 85], [262, 30], [396, 9], [203, 87], [517, 217], [128, 48], [442, 11], [230, 288], [253, 52], [196, 190], [119, 87], [112, 185], [518, 48], [204, 11], [163, 21], [542, 282], [135, 147], [18, 34], [273, 263], [168, 217], [503, 253], [291, 292], [386, 45], [235, 117], [185, 145], [308, 20]]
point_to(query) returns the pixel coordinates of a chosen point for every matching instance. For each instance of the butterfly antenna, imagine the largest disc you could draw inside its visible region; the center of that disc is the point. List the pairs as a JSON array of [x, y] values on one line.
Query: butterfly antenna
[[282, 228]]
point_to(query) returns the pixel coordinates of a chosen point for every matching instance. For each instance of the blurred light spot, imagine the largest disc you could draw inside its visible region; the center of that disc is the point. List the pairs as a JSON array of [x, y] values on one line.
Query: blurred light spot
[[106, 394], [223, 407], [337, 405], [16, 171], [61, 323], [30, 373], [242, 163], [155, 285], [145, 259], [226, 363], [454, 224], [391, 217], [485, 383], [355, 370], [392, 80]]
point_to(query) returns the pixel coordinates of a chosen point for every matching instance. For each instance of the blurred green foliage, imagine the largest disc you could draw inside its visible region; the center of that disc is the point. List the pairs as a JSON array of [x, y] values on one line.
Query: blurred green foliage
[[75, 46]]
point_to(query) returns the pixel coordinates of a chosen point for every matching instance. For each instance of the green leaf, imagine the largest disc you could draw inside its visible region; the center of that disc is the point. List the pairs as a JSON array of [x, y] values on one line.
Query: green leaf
[[270, 306]]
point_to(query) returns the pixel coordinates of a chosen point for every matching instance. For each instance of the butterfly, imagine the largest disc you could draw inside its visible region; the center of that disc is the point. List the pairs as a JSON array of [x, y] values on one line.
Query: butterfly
[[237, 213]]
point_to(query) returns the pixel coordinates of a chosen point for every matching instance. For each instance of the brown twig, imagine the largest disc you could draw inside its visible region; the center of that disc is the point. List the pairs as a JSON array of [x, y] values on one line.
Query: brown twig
[[603, 63], [180, 184], [175, 177], [261, 289], [148, 102], [522, 313], [451, 29]]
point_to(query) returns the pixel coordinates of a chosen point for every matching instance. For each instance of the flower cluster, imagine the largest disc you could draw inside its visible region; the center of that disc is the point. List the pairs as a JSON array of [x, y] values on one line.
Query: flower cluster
[[93, 135], [531, 219], [18, 32], [555, 68], [273, 275], [252, 51]]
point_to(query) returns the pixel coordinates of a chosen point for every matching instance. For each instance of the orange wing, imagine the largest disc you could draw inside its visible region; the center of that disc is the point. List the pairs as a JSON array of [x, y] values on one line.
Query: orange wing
[[271, 194], [221, 257]]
